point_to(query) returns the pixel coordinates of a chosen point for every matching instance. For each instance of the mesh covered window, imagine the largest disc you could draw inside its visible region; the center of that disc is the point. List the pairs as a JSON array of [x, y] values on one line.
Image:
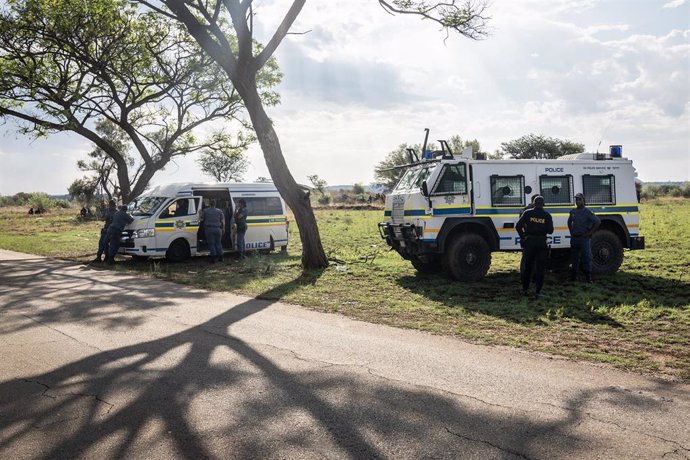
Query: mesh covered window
[[599, 189], [556, 189], [453, 180], [507, 191]]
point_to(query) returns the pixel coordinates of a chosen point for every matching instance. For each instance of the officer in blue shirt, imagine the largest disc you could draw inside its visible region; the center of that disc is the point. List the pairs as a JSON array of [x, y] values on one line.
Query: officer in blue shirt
[[103, 241], [533, 226], [582, 224], [117, 225], [214, 225]]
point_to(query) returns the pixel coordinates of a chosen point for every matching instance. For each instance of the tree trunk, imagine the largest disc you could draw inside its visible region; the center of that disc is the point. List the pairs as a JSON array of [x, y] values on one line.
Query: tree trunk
[[313, 255]]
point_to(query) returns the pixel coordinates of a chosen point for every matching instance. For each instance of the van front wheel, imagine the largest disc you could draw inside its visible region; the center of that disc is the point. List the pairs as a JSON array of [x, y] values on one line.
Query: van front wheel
[[178, 251], [468, 258]]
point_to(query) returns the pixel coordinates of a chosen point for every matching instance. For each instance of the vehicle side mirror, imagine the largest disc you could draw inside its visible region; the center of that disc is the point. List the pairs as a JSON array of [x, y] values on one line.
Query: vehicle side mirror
[[425, 189]]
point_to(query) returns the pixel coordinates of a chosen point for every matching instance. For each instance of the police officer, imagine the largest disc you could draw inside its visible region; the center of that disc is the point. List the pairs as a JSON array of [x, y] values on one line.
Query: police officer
[[118, 224], [103, 241], [533, 226], [582, 223], [240, 216], [214, 224]]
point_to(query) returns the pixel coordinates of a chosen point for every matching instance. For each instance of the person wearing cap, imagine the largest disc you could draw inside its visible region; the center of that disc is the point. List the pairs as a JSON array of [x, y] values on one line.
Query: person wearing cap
[[533, 226], [241, 225], [214, 223], [103, 241], [117, 226], [582, 224]]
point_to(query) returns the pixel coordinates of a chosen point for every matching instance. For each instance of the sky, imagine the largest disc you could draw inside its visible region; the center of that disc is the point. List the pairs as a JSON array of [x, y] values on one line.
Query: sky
[[359, 82]]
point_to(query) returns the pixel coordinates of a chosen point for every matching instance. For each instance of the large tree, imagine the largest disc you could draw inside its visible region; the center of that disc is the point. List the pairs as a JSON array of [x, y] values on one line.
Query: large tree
[[540, 147], [243, 60], [64, 66]]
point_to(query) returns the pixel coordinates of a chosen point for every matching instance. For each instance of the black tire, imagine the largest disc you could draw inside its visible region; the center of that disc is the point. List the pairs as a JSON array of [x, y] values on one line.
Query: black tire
[[433, 265], [559, 260], [468, 258], [178, 251], [138, 258], [607, 252]]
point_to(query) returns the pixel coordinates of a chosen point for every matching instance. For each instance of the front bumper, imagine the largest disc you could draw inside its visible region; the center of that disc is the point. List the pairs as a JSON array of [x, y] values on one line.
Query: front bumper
[[405, 238]]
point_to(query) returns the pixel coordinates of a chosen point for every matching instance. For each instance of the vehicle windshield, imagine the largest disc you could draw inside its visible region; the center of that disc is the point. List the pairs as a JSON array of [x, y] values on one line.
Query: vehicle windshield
[[413, 178], [146, 205]]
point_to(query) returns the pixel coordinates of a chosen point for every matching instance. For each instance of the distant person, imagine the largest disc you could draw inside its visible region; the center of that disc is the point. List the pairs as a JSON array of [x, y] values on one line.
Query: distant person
[[103, 240], [31, 211], [582, 224], [241, 225], [533, 227], [83, 212], [117, 226], [213, 220], [102, 210]]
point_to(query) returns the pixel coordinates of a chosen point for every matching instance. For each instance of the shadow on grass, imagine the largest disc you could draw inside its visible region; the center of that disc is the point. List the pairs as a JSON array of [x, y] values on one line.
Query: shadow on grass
[[202, 392], [500, 295]]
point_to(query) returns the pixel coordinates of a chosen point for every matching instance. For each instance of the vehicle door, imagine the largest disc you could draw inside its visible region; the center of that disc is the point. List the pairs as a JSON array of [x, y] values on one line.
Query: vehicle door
[[178, 219]]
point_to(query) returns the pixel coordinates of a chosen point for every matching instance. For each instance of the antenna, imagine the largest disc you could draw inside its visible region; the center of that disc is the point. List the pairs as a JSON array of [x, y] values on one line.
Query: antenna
[[598, 145]]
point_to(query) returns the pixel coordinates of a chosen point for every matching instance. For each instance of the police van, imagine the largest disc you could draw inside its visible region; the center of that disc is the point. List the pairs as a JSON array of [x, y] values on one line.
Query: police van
[[451, 212], [166, 220]]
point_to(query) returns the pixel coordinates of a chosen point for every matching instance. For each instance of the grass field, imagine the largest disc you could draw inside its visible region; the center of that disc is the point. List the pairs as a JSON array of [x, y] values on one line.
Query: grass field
[[637, 319]]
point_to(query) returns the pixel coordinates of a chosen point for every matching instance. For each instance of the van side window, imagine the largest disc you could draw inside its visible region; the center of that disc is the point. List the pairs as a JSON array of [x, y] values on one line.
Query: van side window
[[507, 190], [599, 189], [556, 189], [178, 208], [453, 180], [268, 206]]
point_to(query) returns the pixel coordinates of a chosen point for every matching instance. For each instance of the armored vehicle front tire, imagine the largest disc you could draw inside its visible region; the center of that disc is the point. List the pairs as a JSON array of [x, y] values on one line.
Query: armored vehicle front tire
[[468, 258], [607, 252]]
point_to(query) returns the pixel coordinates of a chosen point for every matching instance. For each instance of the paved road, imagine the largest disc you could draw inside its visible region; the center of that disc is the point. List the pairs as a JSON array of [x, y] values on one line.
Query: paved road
[[99, 364]]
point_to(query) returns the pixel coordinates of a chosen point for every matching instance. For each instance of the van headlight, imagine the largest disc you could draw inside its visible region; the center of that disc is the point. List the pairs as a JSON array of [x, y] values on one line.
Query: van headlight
[[146, 233]]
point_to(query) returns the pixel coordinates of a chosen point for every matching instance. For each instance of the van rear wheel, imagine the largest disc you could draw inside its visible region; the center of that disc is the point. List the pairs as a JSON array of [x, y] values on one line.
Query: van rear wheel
[[607, 252], [468, 258], [178, 251]]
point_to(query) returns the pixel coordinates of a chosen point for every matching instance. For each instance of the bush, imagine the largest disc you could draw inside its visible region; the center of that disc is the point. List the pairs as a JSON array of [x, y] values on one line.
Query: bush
[[64, 204], [324, 199], [41, 202]]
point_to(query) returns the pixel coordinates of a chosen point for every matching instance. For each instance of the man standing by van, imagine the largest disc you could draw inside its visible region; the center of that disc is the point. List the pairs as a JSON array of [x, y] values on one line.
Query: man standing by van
[[118, 224], [582, 223], [241, 223], [214, 223], [533, 227], [103, 241]]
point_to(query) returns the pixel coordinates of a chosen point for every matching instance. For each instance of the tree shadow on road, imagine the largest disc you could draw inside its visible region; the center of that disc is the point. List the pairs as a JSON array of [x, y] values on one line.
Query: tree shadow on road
[[202, 392]]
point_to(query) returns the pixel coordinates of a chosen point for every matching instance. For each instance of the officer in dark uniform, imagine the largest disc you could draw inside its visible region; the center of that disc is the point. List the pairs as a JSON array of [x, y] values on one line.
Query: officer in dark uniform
[[533, 226]]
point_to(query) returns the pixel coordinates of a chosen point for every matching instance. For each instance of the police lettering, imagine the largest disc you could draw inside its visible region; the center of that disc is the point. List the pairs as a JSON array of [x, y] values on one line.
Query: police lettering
[[537, 220], [554, 170]]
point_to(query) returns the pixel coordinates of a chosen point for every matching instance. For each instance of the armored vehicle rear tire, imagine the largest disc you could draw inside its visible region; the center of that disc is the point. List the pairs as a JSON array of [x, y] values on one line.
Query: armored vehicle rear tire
[[432, 265], [607, 252], [468, 258]]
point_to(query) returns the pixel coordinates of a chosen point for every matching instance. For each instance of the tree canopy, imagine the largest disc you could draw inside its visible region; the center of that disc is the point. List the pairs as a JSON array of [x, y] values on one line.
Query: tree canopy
[[225, 162], [69, 65], [540, 147]]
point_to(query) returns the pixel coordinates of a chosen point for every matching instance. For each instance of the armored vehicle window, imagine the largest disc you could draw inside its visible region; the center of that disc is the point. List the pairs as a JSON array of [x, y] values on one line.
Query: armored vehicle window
[[556, 189], [453, 180], [599, 189], [413, 178], [507, 190], [268, 206]]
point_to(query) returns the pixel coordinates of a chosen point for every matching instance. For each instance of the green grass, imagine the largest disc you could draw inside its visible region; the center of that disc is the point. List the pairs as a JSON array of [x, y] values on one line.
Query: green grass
[[638, 319]]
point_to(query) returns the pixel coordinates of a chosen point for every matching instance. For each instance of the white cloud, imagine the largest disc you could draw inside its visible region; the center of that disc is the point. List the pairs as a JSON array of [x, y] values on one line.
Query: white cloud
[[675, 3]]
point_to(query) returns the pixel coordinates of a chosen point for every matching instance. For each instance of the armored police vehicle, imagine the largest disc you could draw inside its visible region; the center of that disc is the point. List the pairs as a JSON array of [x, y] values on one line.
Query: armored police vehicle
[[166, 219], [451, 212]]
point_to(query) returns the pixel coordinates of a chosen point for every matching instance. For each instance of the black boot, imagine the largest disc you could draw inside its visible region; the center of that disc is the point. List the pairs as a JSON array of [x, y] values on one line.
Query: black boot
[[589, 278]]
